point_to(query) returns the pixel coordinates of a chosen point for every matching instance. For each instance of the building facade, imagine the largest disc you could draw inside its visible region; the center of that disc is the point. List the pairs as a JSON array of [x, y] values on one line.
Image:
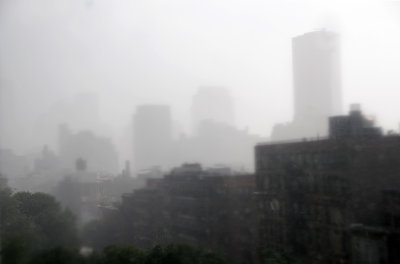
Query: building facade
[[318, 198], [194, 206]]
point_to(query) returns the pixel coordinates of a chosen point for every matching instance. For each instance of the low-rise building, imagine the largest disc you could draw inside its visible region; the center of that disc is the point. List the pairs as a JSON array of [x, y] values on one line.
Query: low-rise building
[[195, 206]]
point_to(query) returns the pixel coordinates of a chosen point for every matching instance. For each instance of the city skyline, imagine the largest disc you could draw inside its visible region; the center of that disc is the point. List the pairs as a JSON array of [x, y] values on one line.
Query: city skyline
[[189, 131], [250, 55]]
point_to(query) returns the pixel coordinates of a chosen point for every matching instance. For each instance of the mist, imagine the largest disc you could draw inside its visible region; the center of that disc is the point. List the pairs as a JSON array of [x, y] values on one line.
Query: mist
[[130, 53], [199, 131]]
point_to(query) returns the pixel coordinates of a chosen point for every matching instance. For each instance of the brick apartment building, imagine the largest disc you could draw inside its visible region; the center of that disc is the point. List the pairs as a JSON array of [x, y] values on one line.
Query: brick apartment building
[[332, 200], [211, 208]]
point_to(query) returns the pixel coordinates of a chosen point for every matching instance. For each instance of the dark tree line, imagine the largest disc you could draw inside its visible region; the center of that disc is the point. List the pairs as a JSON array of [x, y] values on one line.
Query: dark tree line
[[171, 254], [30, 223], [35, 229]]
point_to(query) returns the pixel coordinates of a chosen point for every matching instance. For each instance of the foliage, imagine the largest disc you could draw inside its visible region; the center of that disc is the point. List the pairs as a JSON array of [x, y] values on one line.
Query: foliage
[[182, 254], [56, 226], [57, 255], [34, 229], [171, 254], [100, 233], [128, 255], [268, 256], [31, 223]]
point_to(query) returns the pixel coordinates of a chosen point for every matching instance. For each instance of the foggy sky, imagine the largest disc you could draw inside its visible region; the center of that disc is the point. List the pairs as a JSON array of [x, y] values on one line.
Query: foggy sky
[[134, 52]]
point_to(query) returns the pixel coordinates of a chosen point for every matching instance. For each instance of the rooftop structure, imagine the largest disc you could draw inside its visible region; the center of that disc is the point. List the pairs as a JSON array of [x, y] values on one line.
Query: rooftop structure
[[313, 193]]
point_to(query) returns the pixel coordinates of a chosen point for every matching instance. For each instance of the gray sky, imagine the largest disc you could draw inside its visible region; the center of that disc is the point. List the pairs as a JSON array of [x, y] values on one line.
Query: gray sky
[[132, 52]]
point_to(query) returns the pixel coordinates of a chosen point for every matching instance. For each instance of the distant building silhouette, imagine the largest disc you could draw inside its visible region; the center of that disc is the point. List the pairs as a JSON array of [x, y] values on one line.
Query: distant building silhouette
[[316, 76], [47, 161], [98, 152], [80, 164], [218, 143], [12, 165], [212, 103], [152, 136], [80, 112], [316, 83]]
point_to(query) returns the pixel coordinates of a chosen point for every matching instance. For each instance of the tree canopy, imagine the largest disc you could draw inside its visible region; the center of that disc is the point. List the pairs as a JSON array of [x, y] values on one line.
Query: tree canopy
[[31, 223]]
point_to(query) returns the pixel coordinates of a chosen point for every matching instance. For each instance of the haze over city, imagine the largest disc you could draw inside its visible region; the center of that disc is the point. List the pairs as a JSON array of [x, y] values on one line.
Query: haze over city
[[130, 53], [199, 131]]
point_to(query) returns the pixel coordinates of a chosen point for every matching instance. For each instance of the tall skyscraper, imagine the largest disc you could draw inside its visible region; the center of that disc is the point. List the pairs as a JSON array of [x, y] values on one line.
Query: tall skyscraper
[[152, 137], [212, 103], [316, 84], [316, 79]]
